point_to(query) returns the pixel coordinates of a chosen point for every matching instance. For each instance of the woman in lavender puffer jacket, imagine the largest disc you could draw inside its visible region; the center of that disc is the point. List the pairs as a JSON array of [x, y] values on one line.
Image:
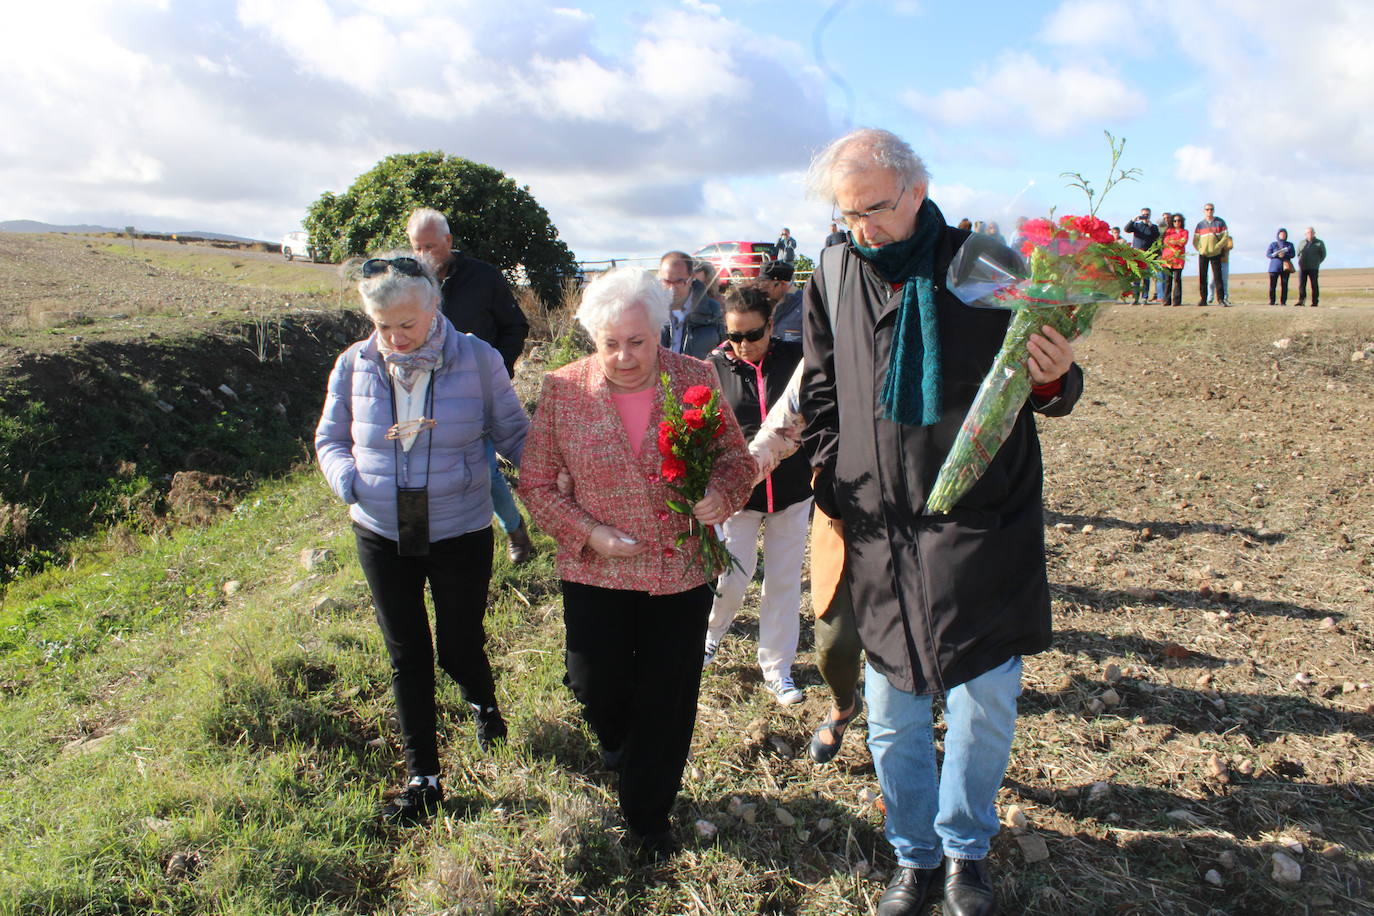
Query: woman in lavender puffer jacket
[[402, 441]]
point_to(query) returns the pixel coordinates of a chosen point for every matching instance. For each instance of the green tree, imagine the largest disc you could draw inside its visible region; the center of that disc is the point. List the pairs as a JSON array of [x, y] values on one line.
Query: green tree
[[491, 217]]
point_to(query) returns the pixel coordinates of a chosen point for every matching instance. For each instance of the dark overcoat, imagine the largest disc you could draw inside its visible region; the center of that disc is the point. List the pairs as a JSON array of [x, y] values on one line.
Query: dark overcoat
[[939, 599]]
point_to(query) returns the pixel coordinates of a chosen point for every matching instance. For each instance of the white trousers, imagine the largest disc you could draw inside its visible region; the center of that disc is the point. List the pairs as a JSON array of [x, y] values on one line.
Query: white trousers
[[784, 546]]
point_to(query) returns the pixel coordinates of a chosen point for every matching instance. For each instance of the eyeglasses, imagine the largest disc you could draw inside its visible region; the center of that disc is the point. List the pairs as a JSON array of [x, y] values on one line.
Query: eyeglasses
[[682, 282], [408, 266], [753, 336], [853, 218]]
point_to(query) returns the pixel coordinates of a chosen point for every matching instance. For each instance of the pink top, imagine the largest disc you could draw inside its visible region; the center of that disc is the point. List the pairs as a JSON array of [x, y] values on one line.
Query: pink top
[[634, 410]]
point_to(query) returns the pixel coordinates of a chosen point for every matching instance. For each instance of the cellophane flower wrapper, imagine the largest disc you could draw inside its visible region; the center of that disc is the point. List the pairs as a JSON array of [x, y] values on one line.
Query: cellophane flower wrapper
[[1075, 270], [688, 443]]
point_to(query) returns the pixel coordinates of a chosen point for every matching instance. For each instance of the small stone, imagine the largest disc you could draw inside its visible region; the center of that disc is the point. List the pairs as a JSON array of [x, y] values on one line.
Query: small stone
[[1328, 623], [861, 868], [160, 826], [1099, 790], [323, 605], [705, 830], [227, 392], [1217, 769], [1204, 679], [750, 814], [1063, 526], [1283, 343], [1227, 860], [1213, 877], [784, 817], [1302, 677], [1088, 529], [377, 742], [1334, 852], [781, 746], [179, 866], [1292, 845], [1349, 687], [696, 774], [825, 825], [231, 587], [1033, 848], [867, 796], [1110, 698], [1016, 819], [1111, 673], [1285, 869], [1184, 816], [313, 557], [164, 406], [1096, 707]]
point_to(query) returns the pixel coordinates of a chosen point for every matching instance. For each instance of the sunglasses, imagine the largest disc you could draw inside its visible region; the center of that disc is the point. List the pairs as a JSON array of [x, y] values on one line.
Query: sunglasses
[[408, 266], [753, 336]]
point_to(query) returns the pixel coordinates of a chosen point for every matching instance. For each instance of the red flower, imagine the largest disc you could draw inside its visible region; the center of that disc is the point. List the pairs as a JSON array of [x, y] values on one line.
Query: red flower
[[697, 395], [693, 418], [665, 439], [667, 553], [1036, 232], [664, 515], [673, 469]]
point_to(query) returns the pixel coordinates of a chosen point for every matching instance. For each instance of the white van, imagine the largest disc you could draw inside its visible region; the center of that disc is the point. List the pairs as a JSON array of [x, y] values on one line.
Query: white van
[[297, 245]]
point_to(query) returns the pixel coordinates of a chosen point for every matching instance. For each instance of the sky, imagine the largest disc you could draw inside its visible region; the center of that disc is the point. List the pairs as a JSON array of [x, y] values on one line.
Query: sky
[[656, 125]]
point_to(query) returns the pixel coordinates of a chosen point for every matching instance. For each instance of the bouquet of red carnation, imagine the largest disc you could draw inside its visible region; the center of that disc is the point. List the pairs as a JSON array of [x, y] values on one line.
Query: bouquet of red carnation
[[687, 441], [1075, 269]]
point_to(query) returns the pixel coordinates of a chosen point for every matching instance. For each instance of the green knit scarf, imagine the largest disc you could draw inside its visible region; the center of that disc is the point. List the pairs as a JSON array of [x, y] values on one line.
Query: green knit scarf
[[911, 393]]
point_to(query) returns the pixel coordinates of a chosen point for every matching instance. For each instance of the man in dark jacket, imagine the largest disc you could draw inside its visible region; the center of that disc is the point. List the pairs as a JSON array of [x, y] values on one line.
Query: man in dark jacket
[[695, 320], [477, 300], [945, 604], [775, 279], [1144, 233], [1311, 253]]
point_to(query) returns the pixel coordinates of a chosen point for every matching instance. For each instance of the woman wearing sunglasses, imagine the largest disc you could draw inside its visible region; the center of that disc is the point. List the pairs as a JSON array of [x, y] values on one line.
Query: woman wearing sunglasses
[[402, 440], [754, 368]]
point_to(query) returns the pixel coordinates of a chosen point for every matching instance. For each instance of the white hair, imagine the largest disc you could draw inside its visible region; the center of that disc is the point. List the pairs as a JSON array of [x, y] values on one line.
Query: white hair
[[861, 150], [616, 291], [381, 291], [427, 216]]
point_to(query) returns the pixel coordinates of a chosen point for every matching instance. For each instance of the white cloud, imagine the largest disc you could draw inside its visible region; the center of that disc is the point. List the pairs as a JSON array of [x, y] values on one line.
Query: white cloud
[[155, 111], [1021, 92], [1094, 24]]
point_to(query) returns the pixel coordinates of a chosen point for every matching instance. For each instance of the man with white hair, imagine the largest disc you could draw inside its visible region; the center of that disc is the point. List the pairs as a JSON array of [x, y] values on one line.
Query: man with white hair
[[477, 300], [945, 604]]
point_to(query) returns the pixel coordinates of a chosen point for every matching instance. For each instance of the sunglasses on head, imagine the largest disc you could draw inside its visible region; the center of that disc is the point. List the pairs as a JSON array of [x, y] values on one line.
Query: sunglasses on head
[[408, 266], [753, 336]]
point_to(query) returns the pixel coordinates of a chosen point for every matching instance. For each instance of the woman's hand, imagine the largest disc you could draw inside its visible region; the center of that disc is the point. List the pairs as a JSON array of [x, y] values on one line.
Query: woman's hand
[[711, 509], [565, 486], [1050, 356], [610, 541]]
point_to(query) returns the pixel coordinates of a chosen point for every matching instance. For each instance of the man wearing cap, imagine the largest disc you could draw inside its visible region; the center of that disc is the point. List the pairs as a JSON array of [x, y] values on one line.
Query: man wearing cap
[[775, 278]]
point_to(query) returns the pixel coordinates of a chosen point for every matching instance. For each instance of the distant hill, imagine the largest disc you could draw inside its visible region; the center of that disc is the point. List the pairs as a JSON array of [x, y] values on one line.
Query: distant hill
[[29, 225]]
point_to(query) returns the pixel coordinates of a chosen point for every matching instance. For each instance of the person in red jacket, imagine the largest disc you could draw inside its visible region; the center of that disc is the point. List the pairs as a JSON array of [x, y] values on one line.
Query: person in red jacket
[[1173, 256]]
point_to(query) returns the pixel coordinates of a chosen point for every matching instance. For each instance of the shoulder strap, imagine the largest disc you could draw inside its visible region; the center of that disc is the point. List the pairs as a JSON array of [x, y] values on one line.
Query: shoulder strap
[[832, 265]]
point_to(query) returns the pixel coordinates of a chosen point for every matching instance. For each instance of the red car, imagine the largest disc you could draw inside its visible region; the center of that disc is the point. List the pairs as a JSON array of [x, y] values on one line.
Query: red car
[[736, 260]]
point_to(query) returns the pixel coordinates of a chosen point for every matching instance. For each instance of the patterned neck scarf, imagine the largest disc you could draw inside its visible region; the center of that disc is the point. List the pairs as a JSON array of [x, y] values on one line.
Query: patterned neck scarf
[[911, 394], [406, 367]]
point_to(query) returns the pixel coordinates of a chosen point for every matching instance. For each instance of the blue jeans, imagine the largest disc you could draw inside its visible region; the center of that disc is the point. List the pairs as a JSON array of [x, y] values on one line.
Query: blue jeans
[[502, 499], [952, 813]]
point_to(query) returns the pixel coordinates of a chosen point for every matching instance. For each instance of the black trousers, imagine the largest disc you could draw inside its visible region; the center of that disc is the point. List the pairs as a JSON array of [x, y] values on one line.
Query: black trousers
[[634, 663], [458, 571], [1304, 275], [1274, 280], [1173, 286], [1218, 282]]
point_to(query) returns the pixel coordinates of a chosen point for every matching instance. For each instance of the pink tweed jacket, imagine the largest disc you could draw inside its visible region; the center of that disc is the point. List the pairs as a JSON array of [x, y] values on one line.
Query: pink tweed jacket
[[576, 426]]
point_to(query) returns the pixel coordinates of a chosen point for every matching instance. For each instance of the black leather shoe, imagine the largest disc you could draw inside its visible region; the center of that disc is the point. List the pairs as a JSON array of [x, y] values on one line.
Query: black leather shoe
[[968, 888], [908, 891], [657, 848], [416, 803], [491, 727], [519, 549]]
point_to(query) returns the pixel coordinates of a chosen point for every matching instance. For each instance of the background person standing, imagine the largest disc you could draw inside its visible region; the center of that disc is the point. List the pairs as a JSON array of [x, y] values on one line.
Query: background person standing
[[1144, 233], [1280, 254], [1172, 258], [1311, 253], [1211, 239], [787, 247]]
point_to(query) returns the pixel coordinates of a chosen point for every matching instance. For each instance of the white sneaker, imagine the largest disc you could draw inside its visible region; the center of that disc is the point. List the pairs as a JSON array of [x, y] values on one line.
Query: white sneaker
[[784, 691], [711, 648]]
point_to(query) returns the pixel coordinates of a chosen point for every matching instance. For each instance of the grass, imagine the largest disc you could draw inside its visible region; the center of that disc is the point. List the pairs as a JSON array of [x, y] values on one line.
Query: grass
[[277, 275]]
